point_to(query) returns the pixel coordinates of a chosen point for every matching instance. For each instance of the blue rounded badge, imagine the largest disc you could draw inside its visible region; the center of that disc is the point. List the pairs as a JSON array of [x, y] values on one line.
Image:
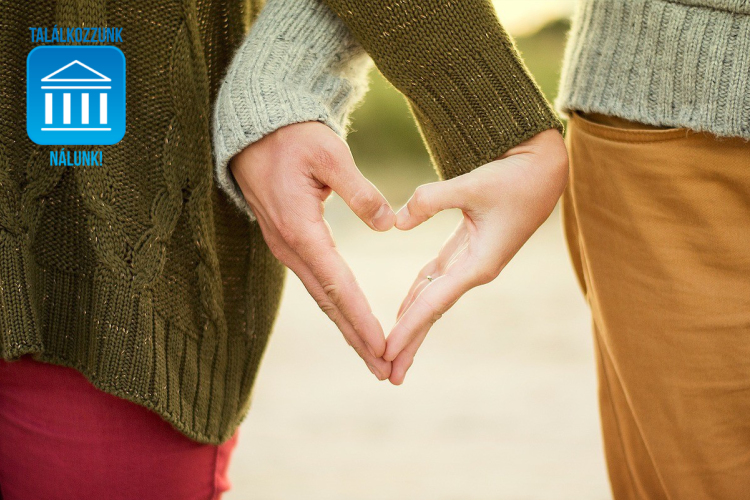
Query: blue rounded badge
[[75, 95]]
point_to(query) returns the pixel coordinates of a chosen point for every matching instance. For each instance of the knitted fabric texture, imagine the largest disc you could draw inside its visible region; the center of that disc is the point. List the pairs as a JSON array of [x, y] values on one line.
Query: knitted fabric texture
[[137, 273], [671, 63], [298, 63], [140, 273], [460, 72]]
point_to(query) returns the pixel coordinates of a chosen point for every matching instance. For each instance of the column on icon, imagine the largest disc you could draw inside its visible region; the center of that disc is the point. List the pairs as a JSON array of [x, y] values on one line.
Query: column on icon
[[48, 108], [66, 108], [103, 108], [84, 108]]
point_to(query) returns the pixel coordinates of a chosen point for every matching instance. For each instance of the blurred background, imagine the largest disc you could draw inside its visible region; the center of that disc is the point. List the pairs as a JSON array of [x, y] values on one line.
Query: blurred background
[[501, 400]]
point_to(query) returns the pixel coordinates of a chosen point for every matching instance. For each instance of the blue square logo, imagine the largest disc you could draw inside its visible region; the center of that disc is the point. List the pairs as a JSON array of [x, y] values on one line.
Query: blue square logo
[[75, 95]]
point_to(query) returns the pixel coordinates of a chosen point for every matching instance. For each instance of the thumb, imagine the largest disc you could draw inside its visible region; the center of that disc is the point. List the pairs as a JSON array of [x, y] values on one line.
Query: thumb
[[429, 199], [345, 179]]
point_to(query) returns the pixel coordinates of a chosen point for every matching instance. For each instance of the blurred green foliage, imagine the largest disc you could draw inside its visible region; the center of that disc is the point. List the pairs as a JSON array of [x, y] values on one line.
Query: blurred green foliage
[[386, 142]]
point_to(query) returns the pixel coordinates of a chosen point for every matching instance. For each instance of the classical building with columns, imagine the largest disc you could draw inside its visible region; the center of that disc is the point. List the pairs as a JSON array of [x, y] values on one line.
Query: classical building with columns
[[75, 95]]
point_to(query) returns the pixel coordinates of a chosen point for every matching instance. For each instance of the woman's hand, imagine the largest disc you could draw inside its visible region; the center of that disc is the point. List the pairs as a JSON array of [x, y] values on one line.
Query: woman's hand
[[503, 202]]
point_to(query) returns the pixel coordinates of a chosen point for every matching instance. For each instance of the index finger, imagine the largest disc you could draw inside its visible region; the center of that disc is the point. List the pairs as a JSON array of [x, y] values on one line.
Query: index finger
[[318, 251], [431, 303]]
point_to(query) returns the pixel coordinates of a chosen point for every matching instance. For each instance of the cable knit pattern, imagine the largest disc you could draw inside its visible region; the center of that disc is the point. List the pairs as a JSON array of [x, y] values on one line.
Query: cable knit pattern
[[140, 273], [137, 273], [260, 94], [679, 63]]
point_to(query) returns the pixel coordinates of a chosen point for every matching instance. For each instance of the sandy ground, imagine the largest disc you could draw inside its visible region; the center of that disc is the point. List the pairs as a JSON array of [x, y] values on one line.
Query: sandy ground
[[500, 403]]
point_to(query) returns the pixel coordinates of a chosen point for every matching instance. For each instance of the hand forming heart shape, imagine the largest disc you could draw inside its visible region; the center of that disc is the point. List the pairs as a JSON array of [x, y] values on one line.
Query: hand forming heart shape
[[287, 176]]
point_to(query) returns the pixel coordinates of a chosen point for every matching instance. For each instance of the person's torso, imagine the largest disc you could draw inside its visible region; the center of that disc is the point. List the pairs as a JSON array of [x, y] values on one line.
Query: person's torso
[[677, 63]]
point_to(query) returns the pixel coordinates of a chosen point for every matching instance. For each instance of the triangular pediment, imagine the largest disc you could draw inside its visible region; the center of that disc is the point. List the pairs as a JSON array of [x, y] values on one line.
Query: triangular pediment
[[76, 71]]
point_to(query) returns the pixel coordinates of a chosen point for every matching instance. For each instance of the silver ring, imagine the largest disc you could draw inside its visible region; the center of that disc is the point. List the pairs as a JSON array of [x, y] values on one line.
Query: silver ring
[[430, 278]]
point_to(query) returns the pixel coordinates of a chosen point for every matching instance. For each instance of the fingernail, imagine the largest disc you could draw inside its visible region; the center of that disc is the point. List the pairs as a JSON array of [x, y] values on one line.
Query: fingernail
[[384, 219], [403, 215]]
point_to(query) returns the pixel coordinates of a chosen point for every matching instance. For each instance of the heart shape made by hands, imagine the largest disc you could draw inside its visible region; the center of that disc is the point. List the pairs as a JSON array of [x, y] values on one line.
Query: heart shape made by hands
[[287, 176]]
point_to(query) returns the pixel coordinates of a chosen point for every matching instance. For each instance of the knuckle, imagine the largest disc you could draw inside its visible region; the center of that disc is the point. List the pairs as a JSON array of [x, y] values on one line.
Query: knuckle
[[435, 312], [421, 199], [328, 308], [366, 200], [333, 292]]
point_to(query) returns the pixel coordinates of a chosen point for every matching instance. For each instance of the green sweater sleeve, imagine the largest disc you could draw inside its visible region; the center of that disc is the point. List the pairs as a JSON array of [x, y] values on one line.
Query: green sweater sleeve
[[465, 82]]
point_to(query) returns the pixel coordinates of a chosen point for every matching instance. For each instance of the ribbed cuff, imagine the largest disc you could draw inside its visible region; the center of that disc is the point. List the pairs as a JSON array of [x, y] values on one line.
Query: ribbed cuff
[[661, 63], [298, 63], [471, 94]]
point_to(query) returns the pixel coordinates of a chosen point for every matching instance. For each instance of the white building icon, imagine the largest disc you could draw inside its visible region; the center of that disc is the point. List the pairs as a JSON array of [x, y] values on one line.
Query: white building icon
[[84, 87]]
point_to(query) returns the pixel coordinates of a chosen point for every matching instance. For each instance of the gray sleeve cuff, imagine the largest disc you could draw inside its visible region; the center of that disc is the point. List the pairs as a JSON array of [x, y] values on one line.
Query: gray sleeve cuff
[[298, 63]]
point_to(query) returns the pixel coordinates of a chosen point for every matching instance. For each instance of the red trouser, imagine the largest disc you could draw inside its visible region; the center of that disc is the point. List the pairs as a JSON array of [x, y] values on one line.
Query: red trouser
[[61, 438]]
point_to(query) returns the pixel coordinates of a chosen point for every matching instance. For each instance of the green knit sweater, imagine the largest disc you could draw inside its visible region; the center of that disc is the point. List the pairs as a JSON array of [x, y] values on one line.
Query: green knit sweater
[[140, 273]]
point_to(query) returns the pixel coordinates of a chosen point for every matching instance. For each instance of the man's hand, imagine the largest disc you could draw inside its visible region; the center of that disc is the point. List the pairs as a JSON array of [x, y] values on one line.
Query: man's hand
[[503, 203], [286, 177]]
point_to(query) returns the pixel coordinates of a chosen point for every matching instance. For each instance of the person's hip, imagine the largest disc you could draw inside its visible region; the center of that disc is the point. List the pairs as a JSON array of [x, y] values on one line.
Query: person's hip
[[658, 226]]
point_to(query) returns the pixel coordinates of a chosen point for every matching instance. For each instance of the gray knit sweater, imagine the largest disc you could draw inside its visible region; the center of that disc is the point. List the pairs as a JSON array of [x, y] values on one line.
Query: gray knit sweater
[[298, 63], [681, 63]]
